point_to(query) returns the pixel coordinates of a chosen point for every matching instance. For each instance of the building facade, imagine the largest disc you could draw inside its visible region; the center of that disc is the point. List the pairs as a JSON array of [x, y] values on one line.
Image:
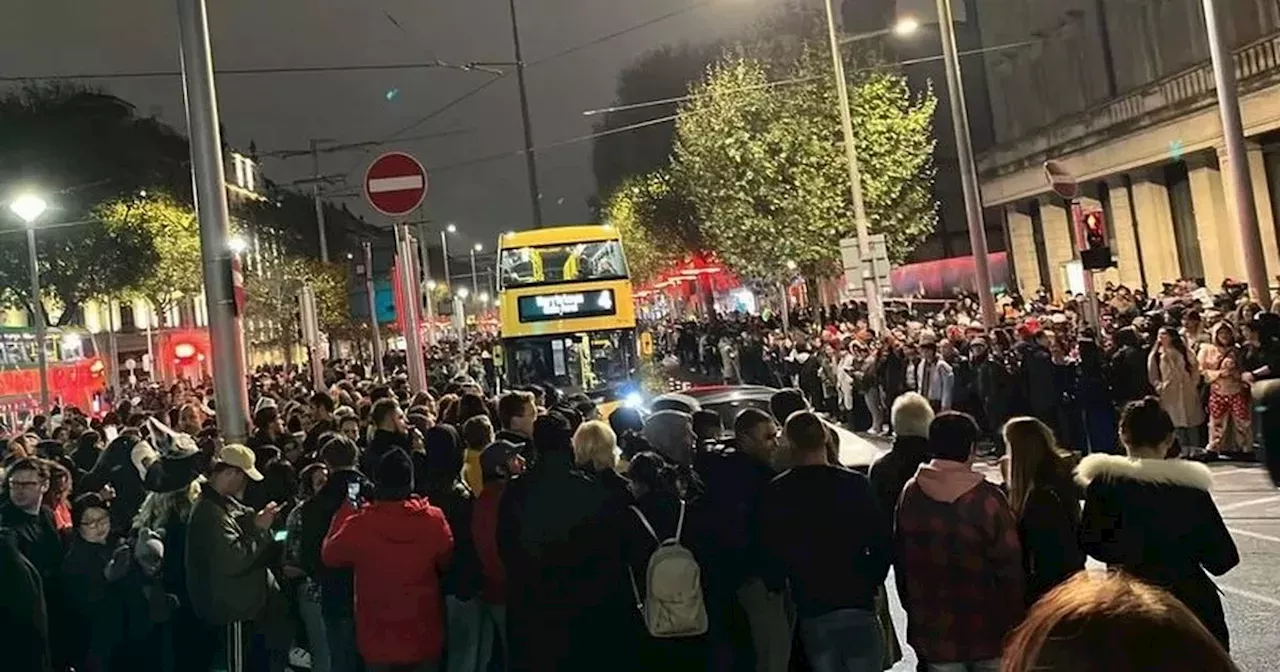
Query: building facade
[[1121, 92]]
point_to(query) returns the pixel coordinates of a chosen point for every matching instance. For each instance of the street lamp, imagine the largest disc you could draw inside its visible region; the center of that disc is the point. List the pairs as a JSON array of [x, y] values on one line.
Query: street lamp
[[906, 26], [28, 207], [475, 287], [444, 250], [238, 245]]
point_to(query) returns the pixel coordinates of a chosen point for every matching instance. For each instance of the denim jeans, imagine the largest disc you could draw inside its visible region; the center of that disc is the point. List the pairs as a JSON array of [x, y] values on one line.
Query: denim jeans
[[992, 665], [771, 623], [845, 640], [493, 631], [313, 621], [463, 632]]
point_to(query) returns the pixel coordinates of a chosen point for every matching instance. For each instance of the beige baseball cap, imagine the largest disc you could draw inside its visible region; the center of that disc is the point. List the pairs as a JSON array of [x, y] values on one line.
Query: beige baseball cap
[[241, 458]]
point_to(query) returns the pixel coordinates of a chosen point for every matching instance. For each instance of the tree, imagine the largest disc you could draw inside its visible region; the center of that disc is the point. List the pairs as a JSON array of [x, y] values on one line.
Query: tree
[[173, 234], [661, 74], [272, 299], [80, 148], [764, 163]]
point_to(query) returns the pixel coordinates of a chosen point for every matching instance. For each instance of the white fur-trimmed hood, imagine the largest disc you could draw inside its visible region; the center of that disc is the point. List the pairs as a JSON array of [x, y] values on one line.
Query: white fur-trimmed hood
[[1156, 472]]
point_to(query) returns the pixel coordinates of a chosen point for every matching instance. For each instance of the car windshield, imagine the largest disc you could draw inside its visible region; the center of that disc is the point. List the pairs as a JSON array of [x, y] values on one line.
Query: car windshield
[[550, 264]]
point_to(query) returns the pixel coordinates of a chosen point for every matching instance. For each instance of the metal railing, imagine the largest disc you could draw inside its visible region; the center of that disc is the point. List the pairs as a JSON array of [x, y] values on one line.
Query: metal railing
[[1257, 64]]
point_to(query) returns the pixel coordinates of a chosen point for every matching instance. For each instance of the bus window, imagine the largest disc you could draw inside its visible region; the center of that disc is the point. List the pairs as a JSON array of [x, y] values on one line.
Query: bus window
[[580, 262]]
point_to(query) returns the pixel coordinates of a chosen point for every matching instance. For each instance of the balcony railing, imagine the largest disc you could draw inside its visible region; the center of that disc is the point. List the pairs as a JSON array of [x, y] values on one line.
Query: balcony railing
[[1257, 65]]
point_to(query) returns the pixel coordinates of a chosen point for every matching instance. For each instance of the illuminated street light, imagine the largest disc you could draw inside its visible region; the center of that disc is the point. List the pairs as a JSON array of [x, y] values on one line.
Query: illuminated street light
[[906, 26], [451, 228], [479, 247], [431, 284], [237, 244], [484, 298], [463, 292], [28, 207]]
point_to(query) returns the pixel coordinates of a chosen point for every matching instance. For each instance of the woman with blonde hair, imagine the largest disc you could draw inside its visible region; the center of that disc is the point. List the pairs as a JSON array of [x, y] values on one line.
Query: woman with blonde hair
[[1045, 503], [595, 452]]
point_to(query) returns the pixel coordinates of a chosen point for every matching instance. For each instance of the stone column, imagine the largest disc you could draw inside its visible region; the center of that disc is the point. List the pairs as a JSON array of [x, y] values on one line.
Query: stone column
[[1266, 212], [1155, 227], [1215, 228], [1058, 243], [1022, 249], [1127, 270]]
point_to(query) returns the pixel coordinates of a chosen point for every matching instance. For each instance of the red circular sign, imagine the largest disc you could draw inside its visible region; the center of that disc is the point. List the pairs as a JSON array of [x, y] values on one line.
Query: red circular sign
[[395, 184]]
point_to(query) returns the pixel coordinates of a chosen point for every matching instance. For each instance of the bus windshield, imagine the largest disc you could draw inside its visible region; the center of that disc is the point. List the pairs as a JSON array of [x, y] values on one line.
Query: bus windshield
[[578, 362], [574, 262]]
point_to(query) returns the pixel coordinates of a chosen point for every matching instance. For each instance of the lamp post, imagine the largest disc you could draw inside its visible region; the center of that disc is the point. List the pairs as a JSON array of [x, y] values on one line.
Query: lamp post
[[870, 288], [29, 207], [460, 313], [475, 279], [444, 252]]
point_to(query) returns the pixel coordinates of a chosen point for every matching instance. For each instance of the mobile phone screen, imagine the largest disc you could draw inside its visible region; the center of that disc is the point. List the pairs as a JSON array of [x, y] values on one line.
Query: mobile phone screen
[[353, 493], [281, 535]]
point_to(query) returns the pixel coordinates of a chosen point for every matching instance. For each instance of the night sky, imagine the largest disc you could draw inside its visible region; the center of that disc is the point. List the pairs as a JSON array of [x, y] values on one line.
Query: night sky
[[282, 111]]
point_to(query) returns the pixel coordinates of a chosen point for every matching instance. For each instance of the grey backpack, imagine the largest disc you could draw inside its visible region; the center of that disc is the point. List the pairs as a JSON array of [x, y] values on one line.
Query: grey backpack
[[672, 604]]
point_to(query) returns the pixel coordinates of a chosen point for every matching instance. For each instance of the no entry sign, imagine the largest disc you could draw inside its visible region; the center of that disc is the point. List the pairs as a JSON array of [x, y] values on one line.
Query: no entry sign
[[395, 184]]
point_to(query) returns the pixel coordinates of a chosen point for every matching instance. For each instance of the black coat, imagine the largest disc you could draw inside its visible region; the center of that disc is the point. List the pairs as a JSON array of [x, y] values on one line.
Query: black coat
[[890, 473], [1127, 375], [1036, 371], [382, 443], [1048, 528], [337, 585], [732, 484], [23, 617], [567, 601], [1155, 520], [455, 500], [93, 610], [115, 468]]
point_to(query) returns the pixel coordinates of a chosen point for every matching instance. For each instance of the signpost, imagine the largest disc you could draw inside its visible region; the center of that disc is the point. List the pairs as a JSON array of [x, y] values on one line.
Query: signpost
[[1064, 184], [859, 267], [395, 185]]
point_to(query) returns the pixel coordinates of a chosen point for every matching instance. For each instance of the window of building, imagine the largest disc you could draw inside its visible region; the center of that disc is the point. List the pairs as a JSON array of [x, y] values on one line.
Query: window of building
[[1183, 214], [1042, 251]]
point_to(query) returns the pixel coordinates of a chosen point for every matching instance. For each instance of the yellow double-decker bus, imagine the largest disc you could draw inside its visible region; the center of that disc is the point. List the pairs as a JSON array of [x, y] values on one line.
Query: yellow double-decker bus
[[568, 319]]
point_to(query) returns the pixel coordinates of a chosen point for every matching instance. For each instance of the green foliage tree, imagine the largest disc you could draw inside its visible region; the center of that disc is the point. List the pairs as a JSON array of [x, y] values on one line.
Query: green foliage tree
[[272, 300], [173, 234], [657, 221], [80, 148], [764, 163]]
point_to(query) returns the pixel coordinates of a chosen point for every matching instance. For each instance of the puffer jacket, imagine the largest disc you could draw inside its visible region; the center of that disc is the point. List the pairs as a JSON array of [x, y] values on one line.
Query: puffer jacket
[[398, 549]]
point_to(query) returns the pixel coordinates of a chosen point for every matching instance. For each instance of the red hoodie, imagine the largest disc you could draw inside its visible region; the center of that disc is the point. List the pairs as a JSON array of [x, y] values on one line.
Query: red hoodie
[[484, 532], [399, 549]]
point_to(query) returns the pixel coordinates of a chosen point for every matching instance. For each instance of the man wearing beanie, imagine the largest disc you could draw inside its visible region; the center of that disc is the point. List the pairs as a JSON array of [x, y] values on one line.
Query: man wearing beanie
[[398, 546]]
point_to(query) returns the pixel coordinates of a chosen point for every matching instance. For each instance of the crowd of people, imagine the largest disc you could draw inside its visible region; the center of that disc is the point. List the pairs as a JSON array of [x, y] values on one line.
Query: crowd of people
[[368, 526], [1198, 352]]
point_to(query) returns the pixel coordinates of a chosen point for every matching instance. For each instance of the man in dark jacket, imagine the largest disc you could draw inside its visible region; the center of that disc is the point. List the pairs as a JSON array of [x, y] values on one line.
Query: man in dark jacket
[[390, 432], [910, 418], [227, 575], [322, 421], [337, 590], [567, 605], [23, 618], [834, 570], [122, 466], [1036, 376], [516, 414], [268, 427]]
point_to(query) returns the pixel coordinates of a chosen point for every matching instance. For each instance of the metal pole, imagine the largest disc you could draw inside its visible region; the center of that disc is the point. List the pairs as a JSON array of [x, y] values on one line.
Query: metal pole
[[373, 309], [475, 279], [870, 287], [968, 169], [412, 326], [425, 254], [37, 316], [113, 343], [531, 161], [311, 334], [315, 193], [1224, 73], [444, 251], [225, 334]]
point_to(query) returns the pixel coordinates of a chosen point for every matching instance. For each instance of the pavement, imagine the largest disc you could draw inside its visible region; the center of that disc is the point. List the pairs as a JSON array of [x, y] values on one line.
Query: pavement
[[1250, 506]]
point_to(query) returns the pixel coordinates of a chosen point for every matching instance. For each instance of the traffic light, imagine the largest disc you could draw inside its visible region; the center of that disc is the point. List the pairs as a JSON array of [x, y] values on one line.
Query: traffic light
[[1096, 255]]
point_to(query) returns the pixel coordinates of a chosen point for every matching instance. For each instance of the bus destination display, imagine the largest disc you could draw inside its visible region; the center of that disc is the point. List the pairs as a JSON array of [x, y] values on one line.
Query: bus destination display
[[544, 307]]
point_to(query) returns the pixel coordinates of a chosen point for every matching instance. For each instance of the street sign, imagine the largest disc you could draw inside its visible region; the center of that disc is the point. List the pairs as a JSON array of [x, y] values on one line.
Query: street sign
[[395, 184], [1061, 180]]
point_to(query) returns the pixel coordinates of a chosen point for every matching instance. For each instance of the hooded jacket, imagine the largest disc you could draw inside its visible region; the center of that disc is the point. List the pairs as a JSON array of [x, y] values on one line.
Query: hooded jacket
[[398, 550], [1155, 520], [958, 564]]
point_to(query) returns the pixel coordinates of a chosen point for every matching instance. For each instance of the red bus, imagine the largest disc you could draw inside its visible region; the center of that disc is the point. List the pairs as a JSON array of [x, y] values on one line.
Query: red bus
[[76, 374]]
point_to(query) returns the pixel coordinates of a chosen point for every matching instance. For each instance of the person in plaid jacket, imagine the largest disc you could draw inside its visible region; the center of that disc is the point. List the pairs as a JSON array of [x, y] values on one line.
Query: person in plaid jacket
[[958, 562]]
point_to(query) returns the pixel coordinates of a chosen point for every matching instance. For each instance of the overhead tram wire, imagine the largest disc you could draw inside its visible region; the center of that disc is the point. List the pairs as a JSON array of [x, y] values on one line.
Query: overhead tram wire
[[669, 118], [283, 70]]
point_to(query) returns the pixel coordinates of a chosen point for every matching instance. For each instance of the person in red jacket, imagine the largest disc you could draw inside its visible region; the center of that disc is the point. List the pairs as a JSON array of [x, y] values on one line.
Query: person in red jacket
[[398, 546]]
